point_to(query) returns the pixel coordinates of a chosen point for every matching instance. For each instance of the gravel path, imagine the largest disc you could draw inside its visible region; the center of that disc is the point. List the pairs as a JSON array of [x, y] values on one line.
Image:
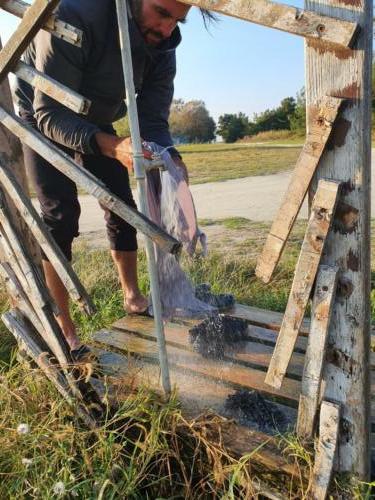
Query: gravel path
[[256, 198]]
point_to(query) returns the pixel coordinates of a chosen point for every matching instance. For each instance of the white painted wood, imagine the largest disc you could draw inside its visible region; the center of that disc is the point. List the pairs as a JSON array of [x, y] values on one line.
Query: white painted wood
[[347, 74], [67, 97], [284, 18], [321, 123], [325, 288], [326, 450], [312, 247], [53, 25]]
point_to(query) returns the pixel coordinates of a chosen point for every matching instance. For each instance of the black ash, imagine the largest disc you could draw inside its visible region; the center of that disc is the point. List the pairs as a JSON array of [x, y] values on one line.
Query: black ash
[[213, 335], [250, 408], [220, 301]]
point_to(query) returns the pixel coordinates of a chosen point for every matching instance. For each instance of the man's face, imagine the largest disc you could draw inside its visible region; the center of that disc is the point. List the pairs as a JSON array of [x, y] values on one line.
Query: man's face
[[158, 18]]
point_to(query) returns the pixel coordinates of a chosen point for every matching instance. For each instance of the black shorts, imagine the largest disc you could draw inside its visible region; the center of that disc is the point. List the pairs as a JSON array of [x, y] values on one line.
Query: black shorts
[[59, 204]]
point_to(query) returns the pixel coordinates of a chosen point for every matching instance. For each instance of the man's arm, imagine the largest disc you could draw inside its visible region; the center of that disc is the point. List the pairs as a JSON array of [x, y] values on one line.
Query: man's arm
[[65, 63]]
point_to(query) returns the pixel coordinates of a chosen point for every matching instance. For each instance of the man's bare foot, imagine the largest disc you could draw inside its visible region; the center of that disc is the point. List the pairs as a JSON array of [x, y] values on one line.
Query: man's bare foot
[[136, 304]]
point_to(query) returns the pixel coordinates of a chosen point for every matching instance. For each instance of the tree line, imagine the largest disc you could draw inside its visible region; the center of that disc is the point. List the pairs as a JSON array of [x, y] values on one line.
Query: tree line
[[191, 122]]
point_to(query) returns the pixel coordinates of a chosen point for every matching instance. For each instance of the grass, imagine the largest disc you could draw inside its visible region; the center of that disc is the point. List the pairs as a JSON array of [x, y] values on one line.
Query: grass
[[146, 449], [275, 136], [220, 162]]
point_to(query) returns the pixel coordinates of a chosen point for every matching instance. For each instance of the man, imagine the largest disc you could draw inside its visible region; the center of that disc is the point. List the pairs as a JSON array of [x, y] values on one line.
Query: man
[[95, 71]]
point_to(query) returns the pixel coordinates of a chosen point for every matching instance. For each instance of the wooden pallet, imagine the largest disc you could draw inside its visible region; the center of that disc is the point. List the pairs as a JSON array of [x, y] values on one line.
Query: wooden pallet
[[243, 367]]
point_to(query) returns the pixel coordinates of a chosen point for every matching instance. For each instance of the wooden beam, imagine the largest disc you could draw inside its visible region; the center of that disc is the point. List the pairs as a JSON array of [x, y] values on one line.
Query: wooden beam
[[45, 240], [285, 18], [326, 450], [32, 21], [88, 182], [325, 289], [21, 331], [321, 123], [322, 211], [64, 95], [53, 25], [347, 74]]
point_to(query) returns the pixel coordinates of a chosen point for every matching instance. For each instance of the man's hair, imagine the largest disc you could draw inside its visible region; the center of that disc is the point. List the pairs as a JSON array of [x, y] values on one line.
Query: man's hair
[[208, 17]]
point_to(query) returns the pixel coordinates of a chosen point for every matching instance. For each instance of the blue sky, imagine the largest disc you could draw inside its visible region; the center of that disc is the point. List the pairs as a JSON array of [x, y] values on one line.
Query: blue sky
[[236, 66]]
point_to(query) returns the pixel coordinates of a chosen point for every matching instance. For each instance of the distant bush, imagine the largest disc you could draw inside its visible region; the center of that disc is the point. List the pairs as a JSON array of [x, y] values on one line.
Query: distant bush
[[272, 135]]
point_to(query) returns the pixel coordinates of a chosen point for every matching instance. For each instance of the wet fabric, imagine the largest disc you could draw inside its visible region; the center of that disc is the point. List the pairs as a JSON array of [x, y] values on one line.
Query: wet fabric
[[171, 206]]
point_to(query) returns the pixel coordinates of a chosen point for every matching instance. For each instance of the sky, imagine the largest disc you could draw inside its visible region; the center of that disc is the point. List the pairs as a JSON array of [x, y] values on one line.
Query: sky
[[234, 66]]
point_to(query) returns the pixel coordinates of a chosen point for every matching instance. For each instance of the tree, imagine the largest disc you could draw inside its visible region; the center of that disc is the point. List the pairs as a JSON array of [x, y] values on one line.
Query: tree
[[233, 126], [298, 119], [276, 119], [191, 122]]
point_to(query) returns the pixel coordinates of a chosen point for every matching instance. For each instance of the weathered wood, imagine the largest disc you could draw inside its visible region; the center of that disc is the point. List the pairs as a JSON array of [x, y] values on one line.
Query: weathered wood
[[247, 353], [325, 289], [21, 331], [326, 450], [88, 182], [34, 18], [284, 18], [347, 74], [45, 240], [61, 93], [322, 211], [321, 123], [11, 155], [255, 351], [187, 362], [58, 28], [23, 301], [261, 317], [38, 293]]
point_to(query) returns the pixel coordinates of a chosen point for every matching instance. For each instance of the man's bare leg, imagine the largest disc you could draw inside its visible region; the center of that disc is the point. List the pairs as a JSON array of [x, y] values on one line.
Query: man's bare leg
[[126, 263], [61, 297]]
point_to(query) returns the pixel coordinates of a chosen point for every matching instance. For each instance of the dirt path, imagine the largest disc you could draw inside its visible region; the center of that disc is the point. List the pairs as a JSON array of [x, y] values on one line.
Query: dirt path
[[256, 198]]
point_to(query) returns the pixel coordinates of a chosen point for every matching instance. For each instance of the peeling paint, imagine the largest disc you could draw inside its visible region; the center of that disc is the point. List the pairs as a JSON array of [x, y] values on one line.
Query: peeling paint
[[346, 219], [323, 47], [352, 261]]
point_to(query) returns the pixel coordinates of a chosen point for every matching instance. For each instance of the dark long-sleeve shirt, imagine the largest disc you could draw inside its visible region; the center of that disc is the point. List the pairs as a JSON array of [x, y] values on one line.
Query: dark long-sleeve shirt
[[95, 71]]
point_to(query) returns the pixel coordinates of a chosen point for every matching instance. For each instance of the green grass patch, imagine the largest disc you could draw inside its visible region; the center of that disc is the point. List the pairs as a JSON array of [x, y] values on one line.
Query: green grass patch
[[220, 162]]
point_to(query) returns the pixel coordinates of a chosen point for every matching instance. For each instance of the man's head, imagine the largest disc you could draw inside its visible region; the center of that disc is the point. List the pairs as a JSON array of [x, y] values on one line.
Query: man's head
[[158, 18]]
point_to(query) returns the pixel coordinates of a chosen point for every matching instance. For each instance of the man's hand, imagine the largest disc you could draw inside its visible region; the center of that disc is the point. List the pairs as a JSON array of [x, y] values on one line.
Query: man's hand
[[181, 164], [119, 148]]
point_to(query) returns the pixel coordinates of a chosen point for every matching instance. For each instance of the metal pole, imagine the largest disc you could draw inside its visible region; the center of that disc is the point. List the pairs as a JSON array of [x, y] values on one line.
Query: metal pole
[[139, 170]]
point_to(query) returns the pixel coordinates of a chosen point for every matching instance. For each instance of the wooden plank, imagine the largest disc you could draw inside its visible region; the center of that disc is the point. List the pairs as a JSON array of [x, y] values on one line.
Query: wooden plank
[[325, 289], [271, 320], [319, 223], [325, 454], [53, 25], [61, 93], [261, 317], [21, 331], [283, 17], [223, 372], [251, 354], [45, 240], [34, 18], [347, 74], [88, 182], [319, 131]]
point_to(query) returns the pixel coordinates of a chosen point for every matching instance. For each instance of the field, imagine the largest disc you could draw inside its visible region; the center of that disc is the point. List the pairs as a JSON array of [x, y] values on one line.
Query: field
[[148, 449]]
